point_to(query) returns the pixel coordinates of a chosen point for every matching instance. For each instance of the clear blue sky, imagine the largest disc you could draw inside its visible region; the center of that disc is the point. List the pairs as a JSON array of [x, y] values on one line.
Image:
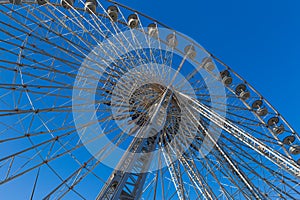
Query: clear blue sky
[[259, 39]]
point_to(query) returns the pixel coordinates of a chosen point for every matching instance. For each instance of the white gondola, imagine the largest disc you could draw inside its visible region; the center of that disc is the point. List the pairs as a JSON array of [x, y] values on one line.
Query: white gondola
[[208, 64], [241, 90], [90, 6], [190, 51], [288, 140], [172, 40], [133, 21], [272, 122], [113, 13], [226, 78], [67, 3], [260, 111], [153, 30]]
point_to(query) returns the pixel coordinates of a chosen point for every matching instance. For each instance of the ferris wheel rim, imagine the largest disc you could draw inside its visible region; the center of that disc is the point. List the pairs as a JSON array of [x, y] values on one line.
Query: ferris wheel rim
[[277, 114]]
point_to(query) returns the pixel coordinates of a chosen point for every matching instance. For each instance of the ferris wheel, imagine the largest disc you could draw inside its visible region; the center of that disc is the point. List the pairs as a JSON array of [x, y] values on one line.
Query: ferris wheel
[[100, 101]]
